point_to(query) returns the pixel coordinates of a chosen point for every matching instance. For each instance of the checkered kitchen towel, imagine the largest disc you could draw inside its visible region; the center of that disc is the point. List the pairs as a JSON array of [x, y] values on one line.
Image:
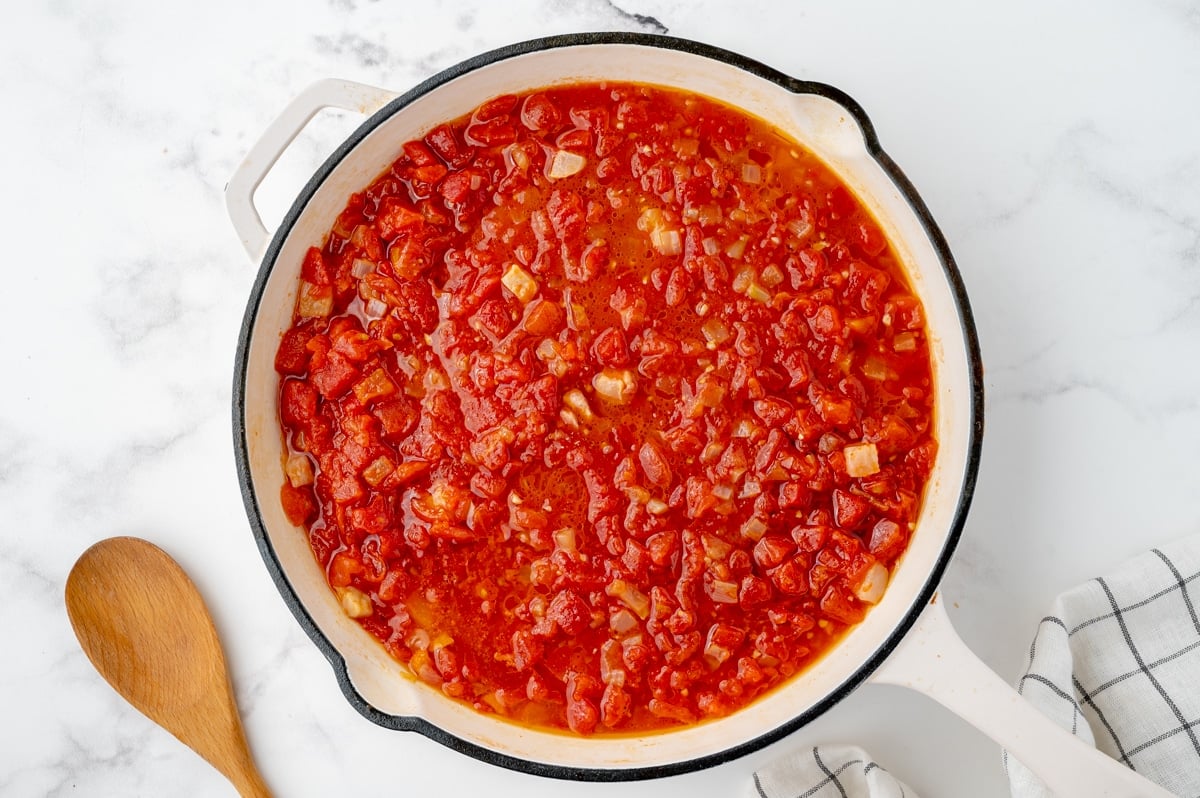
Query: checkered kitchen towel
[[1117, 662], [830, 771]]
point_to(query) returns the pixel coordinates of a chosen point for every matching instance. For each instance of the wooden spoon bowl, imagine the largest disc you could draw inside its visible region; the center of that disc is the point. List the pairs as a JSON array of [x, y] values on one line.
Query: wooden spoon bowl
[[146, 629]]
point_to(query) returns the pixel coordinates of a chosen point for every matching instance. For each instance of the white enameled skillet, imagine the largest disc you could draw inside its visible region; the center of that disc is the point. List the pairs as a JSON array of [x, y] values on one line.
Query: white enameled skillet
[[905, 640]]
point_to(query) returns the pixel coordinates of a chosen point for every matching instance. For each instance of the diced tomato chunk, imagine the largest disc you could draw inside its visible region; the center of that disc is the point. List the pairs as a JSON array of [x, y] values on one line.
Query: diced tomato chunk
[[496, 107], [292, 355], [840, 605], [298, 503], [419, 153], [616, 705], [445, 143], [394, 217], [582, 714], [335, 376], [539, 113], [315, 269], [569, 612], [343, 568], [297, 403], [848, 509], [492, 133], [887, 540]]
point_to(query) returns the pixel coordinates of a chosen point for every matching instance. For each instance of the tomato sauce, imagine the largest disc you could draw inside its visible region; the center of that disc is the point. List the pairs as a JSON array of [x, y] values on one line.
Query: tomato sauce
[[608, 408]]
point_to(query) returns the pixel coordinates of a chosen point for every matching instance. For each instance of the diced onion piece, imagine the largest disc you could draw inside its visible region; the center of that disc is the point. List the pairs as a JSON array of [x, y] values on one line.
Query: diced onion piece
[[520, 283], [547, 349], [361, 268], [750, 489], [800, 228], [355, 603], [638, 494], [549, 352], [715, 655], [870, 589], [722, 592], [632, 598], [711, 246], [709, 391], [751, 173], [905, 342], [316, 301], [622, 622], [575, 400], [745, 428], [651, 219], [715, 331], [753, 528], [666, 242], [758, 293], [862, 459], [686, 148], [737, 248], [612, 666], [436, 380], [565, 164], [657, 507], [373, 386], [861, 325], [299, 470], [422, 666], [564, 539], [377, 308], [418, 640], [723, 492], [379, 470], [771, 276], [633, 640], [875, 369], [714, 652], [715, 548], [615, 385], [518, 156], [710, 215], [743, 279]]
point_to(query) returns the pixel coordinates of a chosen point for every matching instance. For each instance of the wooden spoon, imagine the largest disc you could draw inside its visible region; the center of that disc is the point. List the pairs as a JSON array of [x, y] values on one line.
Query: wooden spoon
[[145, 627]]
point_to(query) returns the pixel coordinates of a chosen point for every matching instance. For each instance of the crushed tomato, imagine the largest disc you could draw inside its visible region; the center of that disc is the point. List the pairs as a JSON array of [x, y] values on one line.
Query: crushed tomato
[[607, 407]]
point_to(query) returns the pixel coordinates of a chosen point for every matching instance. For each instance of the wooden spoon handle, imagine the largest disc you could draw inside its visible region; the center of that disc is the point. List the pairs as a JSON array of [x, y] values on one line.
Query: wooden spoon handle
[[238, 766], [248, 782]]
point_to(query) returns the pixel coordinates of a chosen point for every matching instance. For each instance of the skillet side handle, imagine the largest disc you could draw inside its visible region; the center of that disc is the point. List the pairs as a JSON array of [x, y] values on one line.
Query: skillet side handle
[[933, 660], [239, 192]]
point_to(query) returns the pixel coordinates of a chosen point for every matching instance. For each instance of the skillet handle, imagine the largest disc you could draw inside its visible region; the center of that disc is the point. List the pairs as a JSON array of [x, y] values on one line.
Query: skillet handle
[[933, 660], [239, 192]]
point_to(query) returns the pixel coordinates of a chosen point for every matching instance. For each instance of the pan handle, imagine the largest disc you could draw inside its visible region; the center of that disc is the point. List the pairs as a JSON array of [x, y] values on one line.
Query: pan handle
[[932, 659], [239, 192]]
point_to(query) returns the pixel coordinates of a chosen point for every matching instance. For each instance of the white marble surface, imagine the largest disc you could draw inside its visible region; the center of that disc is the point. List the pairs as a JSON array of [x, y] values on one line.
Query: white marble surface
[[1058, 144]]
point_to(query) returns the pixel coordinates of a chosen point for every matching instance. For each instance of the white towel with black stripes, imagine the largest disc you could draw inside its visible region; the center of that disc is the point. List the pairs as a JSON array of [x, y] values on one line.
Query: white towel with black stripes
[[827, 771], [1117, 661]]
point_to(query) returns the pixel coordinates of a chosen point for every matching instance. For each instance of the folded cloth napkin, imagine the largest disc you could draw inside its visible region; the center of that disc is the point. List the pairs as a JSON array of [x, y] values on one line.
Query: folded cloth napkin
[[827, 771], [1117, 662]]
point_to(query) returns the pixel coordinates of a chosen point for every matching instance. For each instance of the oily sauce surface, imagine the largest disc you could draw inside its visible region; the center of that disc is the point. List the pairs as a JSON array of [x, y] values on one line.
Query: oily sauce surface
[[608, 408]]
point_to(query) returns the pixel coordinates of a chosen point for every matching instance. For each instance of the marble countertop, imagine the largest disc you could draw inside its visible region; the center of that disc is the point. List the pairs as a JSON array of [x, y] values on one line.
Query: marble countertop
[[1057, 144]]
